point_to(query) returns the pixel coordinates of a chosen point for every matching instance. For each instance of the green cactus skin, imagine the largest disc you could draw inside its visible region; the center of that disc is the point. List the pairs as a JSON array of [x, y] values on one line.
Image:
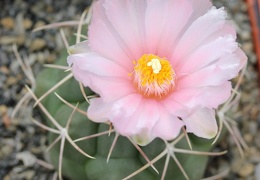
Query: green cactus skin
[[125, 159]]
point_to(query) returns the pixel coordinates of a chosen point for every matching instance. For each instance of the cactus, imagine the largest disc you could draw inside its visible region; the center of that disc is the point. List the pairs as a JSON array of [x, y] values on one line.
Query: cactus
[[125, 158], [104, 154]]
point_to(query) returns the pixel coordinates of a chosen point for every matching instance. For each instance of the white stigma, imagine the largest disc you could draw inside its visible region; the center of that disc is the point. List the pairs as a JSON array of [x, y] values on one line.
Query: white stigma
[[156, 65]]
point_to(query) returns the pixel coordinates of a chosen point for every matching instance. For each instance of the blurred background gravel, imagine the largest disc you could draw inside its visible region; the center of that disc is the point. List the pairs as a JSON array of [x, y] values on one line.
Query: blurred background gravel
[[22, 144]]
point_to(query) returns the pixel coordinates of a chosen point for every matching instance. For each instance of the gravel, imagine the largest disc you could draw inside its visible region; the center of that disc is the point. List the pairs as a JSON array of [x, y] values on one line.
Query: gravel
[[22, 144]]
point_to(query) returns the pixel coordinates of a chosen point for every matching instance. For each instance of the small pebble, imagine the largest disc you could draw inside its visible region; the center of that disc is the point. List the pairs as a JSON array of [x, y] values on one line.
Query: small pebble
[[39, 24], [3, 109], [27, 23], [4, 70], [253, 155], [37, 44], [51, 58], [246, 170], [248, 138], [7, 22], [29, 174], [6, 40], [257, 171], [236, 165], [7, 177], [245, 35], [6, 150], [247, 47], [28, 158], [252, 127], [11, 80]]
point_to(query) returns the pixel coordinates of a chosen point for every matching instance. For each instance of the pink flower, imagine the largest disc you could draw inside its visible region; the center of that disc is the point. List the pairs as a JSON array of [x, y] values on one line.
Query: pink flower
[[158, 65]]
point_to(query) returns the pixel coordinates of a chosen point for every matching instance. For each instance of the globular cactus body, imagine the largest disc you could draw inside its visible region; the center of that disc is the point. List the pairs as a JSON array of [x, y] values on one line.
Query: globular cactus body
[[125, 158]]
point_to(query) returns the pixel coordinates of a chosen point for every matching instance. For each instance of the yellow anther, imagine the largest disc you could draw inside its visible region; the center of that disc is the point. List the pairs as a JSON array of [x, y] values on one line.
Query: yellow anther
[[154, 76], [156, 65]]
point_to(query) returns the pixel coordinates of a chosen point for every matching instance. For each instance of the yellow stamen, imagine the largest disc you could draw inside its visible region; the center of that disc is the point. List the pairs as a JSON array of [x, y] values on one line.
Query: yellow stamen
[[156, 65], [154, 76]]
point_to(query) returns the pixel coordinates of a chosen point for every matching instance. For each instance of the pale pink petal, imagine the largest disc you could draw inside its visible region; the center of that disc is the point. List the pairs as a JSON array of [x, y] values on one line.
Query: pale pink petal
[[242, 56], [103, 76], [209, 96], [101, 111], [186, 96], [146, 114], [98, 110], [163, 27], [126, 111], [147, 119], [127, 17], [139, 123], [96, 64], [167, 127], [125, 107], [175, 30], [176, 108], [82, 47], [198, 32], [111, 89], [207, 54], [202, 123], [226, 30], [79, 74], [212, 96], [224, 69], [229, 66], [104, 39], [200, 7]]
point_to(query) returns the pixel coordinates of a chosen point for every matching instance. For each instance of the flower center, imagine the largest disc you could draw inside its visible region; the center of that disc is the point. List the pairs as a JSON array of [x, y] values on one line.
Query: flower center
[[154, 76]]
